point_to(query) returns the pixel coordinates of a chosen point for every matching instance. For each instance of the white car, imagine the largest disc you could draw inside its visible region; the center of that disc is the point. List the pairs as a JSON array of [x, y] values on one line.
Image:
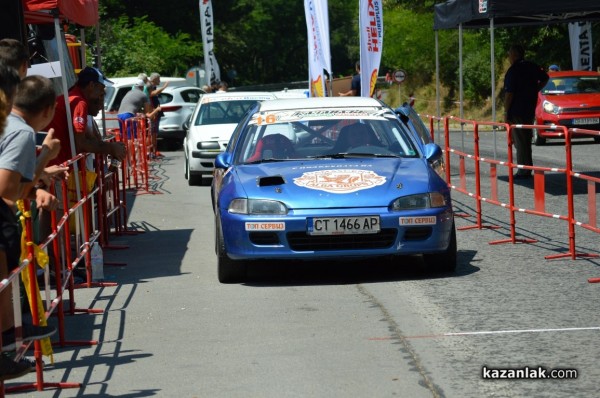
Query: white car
[[213, 121], [114, 95], [177, 104]]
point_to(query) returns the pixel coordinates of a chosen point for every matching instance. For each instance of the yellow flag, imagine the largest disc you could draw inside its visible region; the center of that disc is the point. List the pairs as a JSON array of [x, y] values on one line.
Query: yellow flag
[[41, 258]]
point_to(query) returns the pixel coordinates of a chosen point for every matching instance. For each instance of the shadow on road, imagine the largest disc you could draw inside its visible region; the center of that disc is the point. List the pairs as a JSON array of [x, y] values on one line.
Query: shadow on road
[[299, 273]]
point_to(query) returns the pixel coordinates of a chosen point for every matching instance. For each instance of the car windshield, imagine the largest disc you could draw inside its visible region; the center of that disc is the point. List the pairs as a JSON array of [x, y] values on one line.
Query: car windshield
[[572, 85], [223, 112], [274, 137]]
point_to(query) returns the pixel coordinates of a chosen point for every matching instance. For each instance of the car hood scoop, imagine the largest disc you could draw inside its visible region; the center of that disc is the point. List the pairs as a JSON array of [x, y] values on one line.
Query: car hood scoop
[[270, 181]]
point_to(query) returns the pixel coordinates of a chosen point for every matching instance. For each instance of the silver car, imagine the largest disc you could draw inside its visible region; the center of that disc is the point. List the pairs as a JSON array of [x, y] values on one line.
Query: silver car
[[177, 104]]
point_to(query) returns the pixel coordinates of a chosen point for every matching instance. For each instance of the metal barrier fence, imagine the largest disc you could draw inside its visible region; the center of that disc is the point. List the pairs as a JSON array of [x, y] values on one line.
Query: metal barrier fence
[[465, 156], [87, 216]]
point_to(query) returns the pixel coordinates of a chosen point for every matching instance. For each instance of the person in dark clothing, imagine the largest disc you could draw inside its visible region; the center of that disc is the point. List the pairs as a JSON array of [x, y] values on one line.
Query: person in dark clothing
[[522, 82], [354, 85]]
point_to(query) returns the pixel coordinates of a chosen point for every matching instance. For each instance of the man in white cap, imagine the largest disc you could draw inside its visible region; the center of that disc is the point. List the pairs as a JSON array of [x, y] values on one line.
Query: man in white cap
[[136, 103]]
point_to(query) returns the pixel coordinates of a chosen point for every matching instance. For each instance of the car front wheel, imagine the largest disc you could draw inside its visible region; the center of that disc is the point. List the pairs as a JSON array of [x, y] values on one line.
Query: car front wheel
[[446, 260], [228, 270], [192, 179]]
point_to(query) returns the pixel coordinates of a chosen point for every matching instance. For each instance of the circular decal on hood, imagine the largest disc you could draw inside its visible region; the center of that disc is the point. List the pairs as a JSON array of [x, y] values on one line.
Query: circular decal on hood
[[340, 181]]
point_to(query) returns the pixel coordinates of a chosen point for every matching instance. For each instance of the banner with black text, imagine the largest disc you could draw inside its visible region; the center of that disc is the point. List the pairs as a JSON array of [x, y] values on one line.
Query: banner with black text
[[580, 36], [206, 24]]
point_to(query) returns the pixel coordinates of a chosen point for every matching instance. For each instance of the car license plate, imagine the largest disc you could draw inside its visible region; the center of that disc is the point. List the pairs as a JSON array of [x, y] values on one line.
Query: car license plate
[[587, 120], [343, 225]]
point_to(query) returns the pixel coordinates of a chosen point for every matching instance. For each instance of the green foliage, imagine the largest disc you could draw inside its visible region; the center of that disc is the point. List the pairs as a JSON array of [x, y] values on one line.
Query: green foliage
[[408, 44], [265, 41], [141, 46]]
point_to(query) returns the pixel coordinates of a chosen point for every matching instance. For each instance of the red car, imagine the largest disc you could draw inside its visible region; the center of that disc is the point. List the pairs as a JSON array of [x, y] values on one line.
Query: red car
[[571, 99]]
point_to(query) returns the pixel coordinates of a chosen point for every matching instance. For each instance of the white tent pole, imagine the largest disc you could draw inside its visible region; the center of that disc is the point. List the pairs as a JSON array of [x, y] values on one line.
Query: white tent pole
[[82, 48], [61, 45], [99, 66]]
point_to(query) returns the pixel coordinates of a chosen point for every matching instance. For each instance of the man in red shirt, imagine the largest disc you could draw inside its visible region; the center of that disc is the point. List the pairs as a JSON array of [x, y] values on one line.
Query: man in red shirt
[[89, 88]]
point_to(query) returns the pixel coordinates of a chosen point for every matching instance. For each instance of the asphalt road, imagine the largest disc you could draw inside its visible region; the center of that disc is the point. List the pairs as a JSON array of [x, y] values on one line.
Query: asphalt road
[[346, 329]]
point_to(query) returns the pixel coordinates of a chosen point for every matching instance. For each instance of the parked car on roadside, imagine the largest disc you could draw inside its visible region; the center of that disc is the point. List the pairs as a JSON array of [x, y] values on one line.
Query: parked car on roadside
[[177, 104], [114, 95], [328, 178], [570, 99], [211, 125]]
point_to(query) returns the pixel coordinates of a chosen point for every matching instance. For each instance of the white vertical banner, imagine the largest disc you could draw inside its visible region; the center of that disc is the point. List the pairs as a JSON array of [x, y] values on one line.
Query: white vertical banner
[[319, 53], [580, 36], [371, 44], [206, 25]]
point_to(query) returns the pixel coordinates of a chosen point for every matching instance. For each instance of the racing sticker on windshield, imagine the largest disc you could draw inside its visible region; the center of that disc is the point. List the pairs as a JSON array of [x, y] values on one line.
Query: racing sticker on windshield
[[340, 180], [265, 226]]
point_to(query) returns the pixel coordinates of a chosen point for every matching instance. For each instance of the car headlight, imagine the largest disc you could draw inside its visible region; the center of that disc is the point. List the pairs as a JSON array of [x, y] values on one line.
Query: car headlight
[[208, 145], [549, 107], [257, 207], [420, 201]]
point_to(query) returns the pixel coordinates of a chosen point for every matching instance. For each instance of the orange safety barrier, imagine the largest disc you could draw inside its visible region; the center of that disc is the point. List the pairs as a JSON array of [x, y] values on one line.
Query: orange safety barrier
[[88, 218], [462, 167], [29, 266], [432, 120], [137, 138], [539, 205]]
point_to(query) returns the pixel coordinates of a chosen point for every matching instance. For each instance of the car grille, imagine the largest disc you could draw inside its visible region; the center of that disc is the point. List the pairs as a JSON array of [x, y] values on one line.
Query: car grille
[[417, 233], [300, 241], [264, 238], [580, 110]]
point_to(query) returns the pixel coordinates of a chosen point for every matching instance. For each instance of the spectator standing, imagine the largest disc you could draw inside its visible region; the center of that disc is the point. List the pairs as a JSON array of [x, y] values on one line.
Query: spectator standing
[[33, 108], [155, 123], [388, 78], [144, 77], [14, 53], [354, 85], [222, 87], [9, 239], [89, 88], [134, 103], [553, 68], [522, 82]]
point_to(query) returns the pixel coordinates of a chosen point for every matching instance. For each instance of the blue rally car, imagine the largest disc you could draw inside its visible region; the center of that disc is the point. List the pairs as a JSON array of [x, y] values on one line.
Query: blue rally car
[[318, 178]]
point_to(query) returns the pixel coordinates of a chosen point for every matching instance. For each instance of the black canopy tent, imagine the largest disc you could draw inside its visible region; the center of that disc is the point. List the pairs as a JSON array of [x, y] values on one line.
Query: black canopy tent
[[477, 13], [459, 14]]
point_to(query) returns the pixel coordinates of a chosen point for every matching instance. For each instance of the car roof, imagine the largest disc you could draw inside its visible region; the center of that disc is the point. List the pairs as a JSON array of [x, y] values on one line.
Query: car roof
[[180, 88], [237, 95], [319, 102], [124, 81]]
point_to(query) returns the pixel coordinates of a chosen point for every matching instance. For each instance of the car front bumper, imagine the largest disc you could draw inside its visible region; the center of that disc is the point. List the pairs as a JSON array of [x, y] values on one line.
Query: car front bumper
[[293, 241]]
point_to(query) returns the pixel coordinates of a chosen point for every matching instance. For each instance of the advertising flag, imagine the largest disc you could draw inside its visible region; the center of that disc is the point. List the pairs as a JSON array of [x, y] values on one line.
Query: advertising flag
[[580, 36], [319, 54], [371, 44], [206, 24]]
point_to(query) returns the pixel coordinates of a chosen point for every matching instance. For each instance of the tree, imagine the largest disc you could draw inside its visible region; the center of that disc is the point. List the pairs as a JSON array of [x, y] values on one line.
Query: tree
[[141, 46]]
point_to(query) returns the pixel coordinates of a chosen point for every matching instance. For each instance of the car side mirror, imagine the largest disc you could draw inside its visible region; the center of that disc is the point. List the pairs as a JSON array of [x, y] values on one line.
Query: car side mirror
[[433, 152], [186, 124], [223, 160]]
